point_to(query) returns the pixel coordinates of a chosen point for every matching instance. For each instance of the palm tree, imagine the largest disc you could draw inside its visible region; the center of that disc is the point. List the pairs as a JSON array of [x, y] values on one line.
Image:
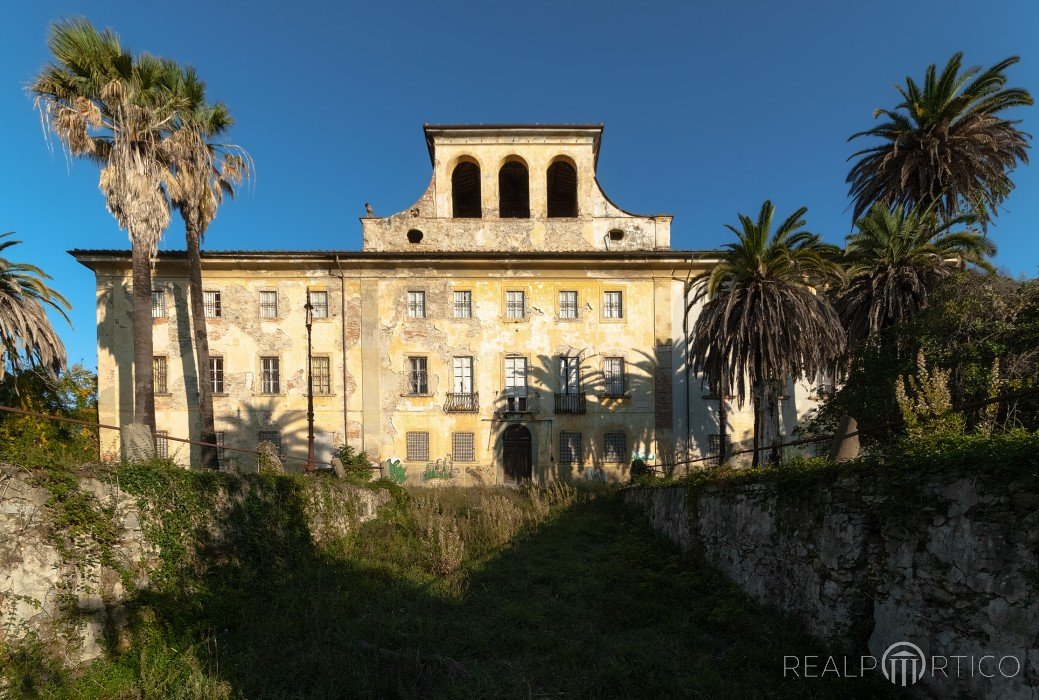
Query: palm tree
[[105, 104], [894, 261], [201, 173], [27, 338], [763, 322], [944, 145]]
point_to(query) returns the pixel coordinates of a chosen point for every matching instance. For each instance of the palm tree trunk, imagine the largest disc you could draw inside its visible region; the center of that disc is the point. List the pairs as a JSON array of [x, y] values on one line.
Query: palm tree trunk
[[143, 386], [723, 418], [207, 429], [757, 425]]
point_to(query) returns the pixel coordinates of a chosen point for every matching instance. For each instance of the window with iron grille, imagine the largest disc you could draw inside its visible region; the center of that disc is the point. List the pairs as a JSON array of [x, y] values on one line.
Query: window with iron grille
[[568, 305], [714, 442], [162, 443], [321, 368], [515, 304], [569, 448], [615, 447], [216, 374], [416, 304], [211, 304], [418, 377], [273, 437], [158, 303], [613, 305], [613, 376], [319, 304], [464, 304], [418, 447], [159, 384], [221, 453], [270, 375], [268, 305], [463, 447]]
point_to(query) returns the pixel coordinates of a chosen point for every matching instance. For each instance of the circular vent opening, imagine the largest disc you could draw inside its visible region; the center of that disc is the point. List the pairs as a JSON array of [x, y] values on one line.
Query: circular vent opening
[[616, 235], [414, 236]]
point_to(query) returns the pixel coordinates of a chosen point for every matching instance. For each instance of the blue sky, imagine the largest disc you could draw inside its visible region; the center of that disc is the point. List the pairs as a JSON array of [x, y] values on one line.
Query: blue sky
[[709, 107]]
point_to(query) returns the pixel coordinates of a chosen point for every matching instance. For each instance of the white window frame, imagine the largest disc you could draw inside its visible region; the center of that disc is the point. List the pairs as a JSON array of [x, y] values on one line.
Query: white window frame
[[568, 304], [211, 304], [216, 374], [463, 303], [268, 304], [318, 390], [270, 374], [613, 304], [416, 303], [463, 374], [569, 374], [318, 310], [515, 304], [158, 303], [418, 375], [516, 390], [614, 381]]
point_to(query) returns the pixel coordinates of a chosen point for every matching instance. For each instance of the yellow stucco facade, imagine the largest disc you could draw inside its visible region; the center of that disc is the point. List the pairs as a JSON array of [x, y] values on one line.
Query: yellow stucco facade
[[513, 323]]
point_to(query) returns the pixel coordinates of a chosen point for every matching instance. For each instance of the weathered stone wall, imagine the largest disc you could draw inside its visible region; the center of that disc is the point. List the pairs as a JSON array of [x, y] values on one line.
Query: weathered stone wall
[[70, 594], [947, 561]]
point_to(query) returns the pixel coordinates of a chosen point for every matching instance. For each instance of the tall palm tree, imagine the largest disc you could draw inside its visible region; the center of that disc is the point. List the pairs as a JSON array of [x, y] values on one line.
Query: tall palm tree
[[201, 174], [944, 145], [895, 259], [763, 322], [27, 338], [110, 106]]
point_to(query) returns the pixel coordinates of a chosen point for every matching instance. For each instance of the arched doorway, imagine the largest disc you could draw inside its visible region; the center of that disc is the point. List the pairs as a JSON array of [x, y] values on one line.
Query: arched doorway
[[516, 453]]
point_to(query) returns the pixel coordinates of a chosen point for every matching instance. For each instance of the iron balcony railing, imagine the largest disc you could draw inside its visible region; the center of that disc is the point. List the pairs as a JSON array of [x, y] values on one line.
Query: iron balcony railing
[[570, 403], [462, 403]]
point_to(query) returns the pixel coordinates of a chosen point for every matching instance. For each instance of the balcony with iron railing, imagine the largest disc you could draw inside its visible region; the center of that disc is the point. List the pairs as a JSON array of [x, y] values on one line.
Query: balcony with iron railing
[[462, 403], [570, 403]]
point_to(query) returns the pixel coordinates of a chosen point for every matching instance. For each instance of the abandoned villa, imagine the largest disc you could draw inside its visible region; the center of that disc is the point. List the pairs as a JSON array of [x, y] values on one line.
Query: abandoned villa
[[514, 323]]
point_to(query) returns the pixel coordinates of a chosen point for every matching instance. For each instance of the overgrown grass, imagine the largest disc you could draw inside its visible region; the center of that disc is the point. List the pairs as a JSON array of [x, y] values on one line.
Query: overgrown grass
[[451, 592]]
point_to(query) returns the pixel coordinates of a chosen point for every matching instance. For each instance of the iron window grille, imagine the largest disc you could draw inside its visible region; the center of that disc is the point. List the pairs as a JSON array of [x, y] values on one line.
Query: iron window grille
[[162, 444], [216, 374], [273, 437], [569, 448], [515, 304], [568, 305], [211, 304], [463, 304], [159, 376], [319, 304], [158, 303], [321, 370], [615, 447], [416, 304], [463, 447], [270, 375], [221, 453], [418, 376], [613, 305], [613, 376], [418, 447], [268, 305]]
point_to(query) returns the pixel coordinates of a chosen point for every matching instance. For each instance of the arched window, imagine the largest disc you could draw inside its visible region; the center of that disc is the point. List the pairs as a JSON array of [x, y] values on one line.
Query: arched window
[[513, 191], [465, 191], [562, 189]]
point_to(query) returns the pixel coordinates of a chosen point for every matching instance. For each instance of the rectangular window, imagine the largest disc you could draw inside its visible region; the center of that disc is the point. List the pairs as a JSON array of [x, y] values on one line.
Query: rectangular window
[[216, 374], [319, 304], [464, 304], [221, 453], [162, 444], [463, 367], [268, 305], [321, 369], [418, 375], [568, 305], [273, 437], [211, 304], [270, 375], [416, 304], [569, 448], [516, 383], [463, 447], [515, 304], [158, 303], [613, 305], [569, 375], [613, 376], [615, 447], [159, 378], [418, 447], [714, 443]]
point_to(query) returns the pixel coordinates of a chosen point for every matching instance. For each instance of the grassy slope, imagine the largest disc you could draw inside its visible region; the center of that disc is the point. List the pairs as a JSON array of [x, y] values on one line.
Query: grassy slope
[[590, 603]]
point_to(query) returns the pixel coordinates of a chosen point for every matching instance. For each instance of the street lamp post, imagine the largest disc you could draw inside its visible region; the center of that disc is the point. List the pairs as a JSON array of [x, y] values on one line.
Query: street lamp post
[[310, 386]]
